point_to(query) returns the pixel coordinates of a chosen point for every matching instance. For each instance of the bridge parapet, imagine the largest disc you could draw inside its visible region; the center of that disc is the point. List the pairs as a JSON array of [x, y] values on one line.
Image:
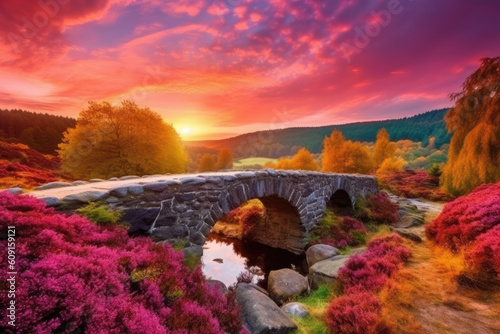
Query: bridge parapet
[[187, 207]]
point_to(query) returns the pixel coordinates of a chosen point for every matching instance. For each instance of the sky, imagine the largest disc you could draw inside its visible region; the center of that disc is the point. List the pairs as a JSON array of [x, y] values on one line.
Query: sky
[[218, 68]]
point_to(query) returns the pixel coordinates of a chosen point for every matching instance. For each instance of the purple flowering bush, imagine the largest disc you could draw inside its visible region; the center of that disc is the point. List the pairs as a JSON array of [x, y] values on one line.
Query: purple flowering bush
[[77, 277], [363, 275]]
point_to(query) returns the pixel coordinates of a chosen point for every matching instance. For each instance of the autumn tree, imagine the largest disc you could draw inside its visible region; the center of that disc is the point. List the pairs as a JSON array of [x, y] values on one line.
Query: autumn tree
[[207, 163], [344, 156], [303, 160], [224, 159], [474, 120], [384, 148], [120, 140]]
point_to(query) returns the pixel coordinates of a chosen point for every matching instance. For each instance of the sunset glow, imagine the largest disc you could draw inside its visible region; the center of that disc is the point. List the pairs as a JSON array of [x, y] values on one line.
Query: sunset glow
[[229, 67]]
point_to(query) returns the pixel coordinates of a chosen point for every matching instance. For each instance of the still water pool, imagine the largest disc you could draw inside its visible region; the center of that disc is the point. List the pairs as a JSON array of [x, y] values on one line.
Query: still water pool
[[225, 258]]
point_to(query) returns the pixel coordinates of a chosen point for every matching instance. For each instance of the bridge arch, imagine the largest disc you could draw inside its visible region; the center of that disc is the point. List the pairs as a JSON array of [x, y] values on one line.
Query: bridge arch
[[341, 203], [296, 201], [280, 227]]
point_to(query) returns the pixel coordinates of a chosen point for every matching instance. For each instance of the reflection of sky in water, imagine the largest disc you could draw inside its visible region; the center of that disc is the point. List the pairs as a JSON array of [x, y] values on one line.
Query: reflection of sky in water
[[233, 264]]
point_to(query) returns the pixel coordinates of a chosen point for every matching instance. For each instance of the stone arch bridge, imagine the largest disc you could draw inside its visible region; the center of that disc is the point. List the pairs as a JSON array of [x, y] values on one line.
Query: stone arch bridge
[[177, 207]]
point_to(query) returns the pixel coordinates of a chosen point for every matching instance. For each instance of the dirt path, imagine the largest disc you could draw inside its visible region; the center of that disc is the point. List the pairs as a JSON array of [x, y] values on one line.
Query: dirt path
[[433, 299]]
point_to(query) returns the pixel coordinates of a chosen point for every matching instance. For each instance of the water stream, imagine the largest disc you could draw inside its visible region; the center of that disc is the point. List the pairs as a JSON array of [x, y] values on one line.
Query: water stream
[[233, 256]]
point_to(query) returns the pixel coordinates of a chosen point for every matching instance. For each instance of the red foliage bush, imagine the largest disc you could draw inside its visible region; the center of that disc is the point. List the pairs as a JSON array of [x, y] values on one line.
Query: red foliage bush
[[27, 156], [414, 184], [484, 256], [342, 232], [75, 276], [354, 313], [369, 271], [378, 209], [467, 217], [251, 217], [358, 311], [16, 174]]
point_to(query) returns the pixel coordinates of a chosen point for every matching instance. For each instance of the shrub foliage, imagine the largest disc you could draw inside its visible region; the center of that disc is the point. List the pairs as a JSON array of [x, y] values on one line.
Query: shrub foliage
[[75, 276], [358, 310], [471, 224]]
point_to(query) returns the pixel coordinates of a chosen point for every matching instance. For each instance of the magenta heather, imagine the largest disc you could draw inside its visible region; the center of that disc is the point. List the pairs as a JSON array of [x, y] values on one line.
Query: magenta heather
[[76, 276], [358, 310]]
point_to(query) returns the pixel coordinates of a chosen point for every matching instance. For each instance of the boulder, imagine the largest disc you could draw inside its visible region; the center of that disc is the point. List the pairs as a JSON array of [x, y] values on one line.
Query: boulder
[[51, 201], [410, 220], [96, 180], [170, 232], [245, 175], [120, 191], [320, 252], [272, 172], [295, 309], [15, 191], [135, 189], [193, 180], [86, 196], [156, 186], [185, 197], [326, 271], [260, 314], [112, 200], [196, 250], [197, 238], [79, 183], [53, 185], [217, 285], [129, 177], [140, 219], [407, 234], [285, 284], [229, 177]]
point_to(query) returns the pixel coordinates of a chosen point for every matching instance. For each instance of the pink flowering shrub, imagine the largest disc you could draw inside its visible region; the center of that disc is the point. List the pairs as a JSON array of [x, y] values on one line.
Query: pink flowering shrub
[[339, 232], [354, 313], [76, 276], [484, 255], [370, 270], [358, 310], [414, 184], [466, 218], [377, 209]]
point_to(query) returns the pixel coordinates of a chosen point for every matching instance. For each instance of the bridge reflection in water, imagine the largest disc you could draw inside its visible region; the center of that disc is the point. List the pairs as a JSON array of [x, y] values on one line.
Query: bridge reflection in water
[[240, 255]]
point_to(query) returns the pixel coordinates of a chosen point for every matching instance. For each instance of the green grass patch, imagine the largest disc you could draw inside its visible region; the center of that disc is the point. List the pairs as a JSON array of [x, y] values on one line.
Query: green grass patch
[[316, 302], [99, 214], [252, 162]]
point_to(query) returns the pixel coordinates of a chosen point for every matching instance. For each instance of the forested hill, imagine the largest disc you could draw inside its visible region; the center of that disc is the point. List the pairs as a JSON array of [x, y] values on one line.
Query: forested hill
[[42, 132], [276, 143]]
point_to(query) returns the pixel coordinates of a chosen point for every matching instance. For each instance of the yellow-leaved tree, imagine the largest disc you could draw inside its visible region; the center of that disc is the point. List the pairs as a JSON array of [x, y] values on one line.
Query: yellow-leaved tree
[[224, 159], [344, 156], [207, 163], [303, 160], [121, 140], [384, 148], [474, 153]]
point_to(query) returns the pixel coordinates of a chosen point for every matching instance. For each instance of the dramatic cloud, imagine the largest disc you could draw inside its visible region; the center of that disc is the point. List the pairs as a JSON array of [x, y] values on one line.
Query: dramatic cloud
[[230, 66]]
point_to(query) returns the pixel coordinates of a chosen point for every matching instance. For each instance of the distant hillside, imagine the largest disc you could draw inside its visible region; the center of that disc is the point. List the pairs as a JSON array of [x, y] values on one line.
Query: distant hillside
[[42, 132], [276, 143], [21, 166]]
